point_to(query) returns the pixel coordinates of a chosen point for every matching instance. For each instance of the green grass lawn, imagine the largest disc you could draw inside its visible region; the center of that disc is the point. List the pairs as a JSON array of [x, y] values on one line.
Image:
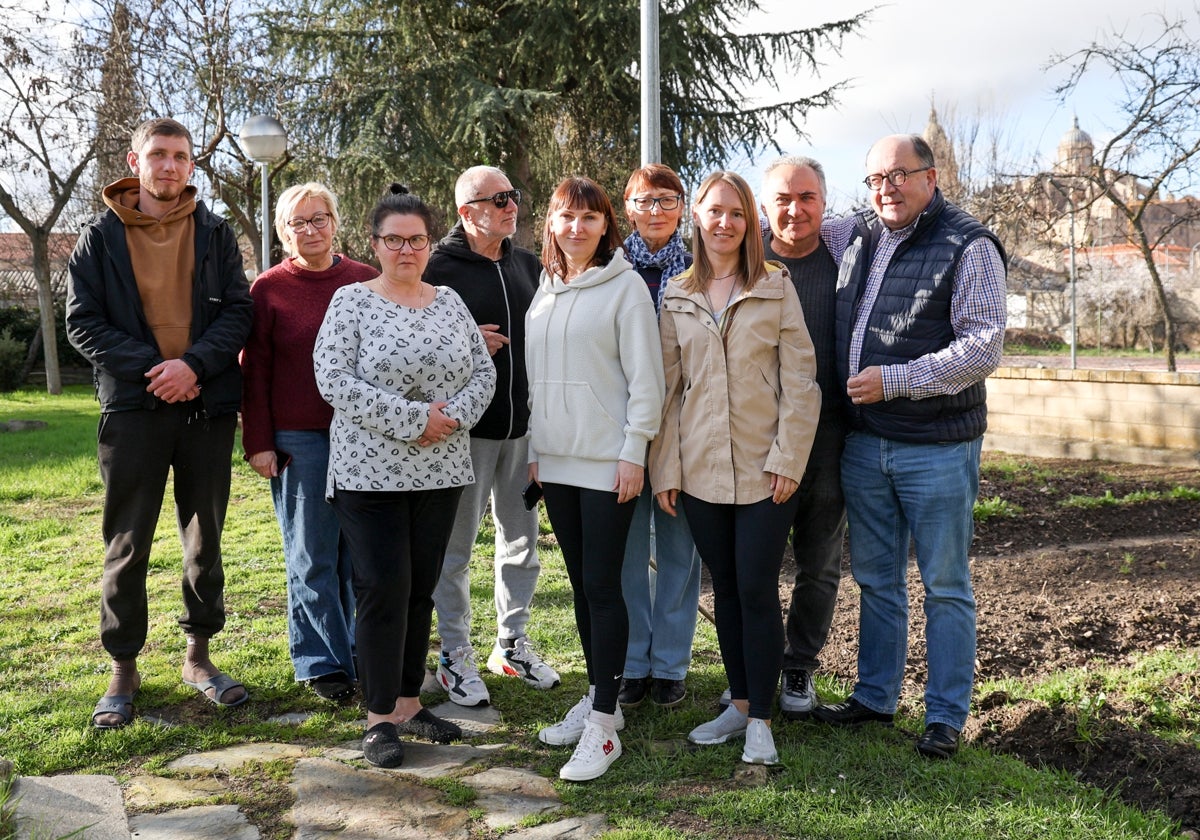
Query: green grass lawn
[[831, 784]]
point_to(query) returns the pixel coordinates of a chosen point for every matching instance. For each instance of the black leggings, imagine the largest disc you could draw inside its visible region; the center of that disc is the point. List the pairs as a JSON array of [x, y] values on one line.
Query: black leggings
[[396, 542], [742, 546], [591, 528]]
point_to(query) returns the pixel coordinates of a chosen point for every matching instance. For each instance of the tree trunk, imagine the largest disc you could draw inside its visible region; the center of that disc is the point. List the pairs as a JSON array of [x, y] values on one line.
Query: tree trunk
[[1164, 309], [41, 272]]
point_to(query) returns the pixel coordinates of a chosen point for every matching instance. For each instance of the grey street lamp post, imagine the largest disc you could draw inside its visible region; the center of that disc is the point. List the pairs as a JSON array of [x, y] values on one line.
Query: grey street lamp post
[[265, 140]]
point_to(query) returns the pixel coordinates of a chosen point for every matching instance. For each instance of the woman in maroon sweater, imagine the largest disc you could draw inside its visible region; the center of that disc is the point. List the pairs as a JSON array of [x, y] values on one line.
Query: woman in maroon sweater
[[285, 433]]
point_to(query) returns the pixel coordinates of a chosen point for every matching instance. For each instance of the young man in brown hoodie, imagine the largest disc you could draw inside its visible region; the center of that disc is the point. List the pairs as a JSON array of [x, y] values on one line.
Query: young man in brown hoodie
[[159, 304]]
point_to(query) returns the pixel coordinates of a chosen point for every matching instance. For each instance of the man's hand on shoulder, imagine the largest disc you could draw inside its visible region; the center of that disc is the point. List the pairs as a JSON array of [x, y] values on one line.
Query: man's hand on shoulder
[[173, 381]]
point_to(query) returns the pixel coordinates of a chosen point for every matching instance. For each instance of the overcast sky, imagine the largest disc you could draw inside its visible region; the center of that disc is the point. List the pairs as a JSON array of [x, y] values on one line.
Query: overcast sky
[[988, 58]]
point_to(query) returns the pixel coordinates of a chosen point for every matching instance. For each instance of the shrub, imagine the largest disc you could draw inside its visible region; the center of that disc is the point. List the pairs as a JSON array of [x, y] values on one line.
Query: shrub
[[12, 359]]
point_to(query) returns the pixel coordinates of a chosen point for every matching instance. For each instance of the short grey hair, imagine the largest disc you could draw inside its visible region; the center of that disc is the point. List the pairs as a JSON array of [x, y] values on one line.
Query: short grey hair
[[798, 161], [467, 185]]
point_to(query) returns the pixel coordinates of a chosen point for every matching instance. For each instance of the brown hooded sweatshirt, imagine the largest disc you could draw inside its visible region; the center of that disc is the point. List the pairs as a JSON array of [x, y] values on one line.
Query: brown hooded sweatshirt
[[163, 254]]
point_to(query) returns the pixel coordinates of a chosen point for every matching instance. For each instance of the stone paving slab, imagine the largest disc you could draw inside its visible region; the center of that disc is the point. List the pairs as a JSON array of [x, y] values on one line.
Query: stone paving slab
[[575, 828], [509, 795], [203, 821], [334, 800], [231, 758], [53, 806], [147, 793]]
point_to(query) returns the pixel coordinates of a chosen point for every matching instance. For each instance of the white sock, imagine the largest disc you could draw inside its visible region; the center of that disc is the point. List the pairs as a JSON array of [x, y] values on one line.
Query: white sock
[[608, 722]]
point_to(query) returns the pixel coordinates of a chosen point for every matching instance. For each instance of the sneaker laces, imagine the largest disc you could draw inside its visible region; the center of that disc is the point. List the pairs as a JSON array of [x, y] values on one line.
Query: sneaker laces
[[462, 660], [798, 682], [591, 743]]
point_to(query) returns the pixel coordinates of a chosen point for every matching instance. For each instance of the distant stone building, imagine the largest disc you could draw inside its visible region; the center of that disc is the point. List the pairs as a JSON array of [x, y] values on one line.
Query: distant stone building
[[17, 284], [1067, 215]]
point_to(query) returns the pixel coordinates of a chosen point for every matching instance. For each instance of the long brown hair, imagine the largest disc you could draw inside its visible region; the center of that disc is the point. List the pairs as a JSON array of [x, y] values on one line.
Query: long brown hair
[[751, 256], [579, 194]]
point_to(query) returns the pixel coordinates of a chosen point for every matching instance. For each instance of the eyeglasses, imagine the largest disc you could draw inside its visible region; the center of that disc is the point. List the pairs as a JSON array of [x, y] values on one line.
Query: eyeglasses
[[666, 202], [395, 243], [318, 222], [896, 178], [500, 199]]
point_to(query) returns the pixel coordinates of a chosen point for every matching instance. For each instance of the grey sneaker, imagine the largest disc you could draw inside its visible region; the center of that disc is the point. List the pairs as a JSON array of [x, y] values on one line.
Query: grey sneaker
[[797, 696], [458, 675], [521, 660], [760, 744], [729, 724]]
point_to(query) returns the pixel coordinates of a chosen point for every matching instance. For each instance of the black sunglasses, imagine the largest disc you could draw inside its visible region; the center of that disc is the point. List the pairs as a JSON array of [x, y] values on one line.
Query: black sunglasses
[[500, 199]]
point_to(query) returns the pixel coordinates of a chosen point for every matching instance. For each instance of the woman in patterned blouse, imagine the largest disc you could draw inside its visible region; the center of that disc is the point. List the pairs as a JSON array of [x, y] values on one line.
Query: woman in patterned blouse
[[407, 373]]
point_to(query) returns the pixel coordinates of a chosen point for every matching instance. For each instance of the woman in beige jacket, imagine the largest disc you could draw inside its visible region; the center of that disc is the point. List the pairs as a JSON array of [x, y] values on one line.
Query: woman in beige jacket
[[738, 424]]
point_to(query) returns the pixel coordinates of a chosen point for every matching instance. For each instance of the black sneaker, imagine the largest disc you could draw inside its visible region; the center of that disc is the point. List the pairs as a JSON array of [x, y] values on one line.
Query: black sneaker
[[334, 687], [668, 693], [633, 691]]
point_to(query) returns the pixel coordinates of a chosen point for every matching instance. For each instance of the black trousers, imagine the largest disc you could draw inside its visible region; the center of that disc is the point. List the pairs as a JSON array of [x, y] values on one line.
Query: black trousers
[[817, 534], [591, 528], [396, 542], [742, 546], [136, 450]]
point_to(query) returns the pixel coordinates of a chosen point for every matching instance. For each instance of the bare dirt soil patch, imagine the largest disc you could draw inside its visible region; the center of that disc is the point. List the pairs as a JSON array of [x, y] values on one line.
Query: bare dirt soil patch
[[1061, 587]]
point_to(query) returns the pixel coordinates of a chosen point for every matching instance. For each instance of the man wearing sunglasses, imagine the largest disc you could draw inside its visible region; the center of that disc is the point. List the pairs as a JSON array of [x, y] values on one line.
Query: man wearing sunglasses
[[497, 281], [920, 313]]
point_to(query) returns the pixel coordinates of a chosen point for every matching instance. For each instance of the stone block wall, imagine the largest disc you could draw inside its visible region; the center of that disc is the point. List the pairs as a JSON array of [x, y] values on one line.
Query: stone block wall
[[1137, 416]]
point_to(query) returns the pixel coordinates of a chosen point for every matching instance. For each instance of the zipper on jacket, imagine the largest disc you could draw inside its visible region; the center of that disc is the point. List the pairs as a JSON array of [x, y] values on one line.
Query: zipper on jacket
[[508, 349]]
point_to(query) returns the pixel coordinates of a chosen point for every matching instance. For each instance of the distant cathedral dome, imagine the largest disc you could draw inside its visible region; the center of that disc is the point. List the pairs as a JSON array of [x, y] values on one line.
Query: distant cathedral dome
[[1074, 151]]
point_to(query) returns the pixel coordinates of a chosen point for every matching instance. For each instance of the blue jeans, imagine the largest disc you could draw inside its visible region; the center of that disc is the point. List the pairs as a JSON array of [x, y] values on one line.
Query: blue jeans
[[319, 586], [895, 491], [662, 607]]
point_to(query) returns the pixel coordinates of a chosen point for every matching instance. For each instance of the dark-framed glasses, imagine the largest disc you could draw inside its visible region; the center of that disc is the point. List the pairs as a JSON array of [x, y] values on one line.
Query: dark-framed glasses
[[500, 199], [665, 202], [896, 178], [318, 221], [395, 243]]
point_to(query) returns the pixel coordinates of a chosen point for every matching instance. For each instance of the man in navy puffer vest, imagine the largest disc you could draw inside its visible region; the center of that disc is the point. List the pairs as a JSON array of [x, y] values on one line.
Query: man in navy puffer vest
[[920, 319]]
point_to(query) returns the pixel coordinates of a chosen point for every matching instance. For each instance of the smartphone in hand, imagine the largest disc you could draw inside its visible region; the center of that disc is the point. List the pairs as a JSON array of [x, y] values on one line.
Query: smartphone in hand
[[531, 494]]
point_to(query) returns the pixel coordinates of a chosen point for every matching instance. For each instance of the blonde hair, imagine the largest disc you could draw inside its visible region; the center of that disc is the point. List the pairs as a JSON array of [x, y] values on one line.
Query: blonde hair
[[290, 199], [751, 256]]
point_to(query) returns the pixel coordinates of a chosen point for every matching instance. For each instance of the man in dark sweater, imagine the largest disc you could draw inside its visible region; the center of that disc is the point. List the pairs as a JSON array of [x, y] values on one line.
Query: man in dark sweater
[[793, 200], [496, 280], [158, 303]]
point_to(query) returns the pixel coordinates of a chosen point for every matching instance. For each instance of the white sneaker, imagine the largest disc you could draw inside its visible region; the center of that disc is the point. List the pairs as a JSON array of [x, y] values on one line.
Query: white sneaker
[[760, 744], [729, 724], [598, 748], [569, 730], [797, 696], [521, 660], [458, 675]]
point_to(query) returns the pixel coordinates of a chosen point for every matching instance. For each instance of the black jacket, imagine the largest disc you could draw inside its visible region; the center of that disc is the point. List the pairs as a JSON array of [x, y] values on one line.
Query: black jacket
[[496, 292], [106, 322]]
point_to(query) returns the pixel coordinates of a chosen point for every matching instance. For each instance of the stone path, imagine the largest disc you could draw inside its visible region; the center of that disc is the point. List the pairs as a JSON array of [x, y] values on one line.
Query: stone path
[[337, 795]]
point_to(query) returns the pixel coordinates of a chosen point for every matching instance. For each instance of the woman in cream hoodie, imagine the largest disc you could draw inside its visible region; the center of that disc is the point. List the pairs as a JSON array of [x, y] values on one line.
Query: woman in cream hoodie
[[596, 395]]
